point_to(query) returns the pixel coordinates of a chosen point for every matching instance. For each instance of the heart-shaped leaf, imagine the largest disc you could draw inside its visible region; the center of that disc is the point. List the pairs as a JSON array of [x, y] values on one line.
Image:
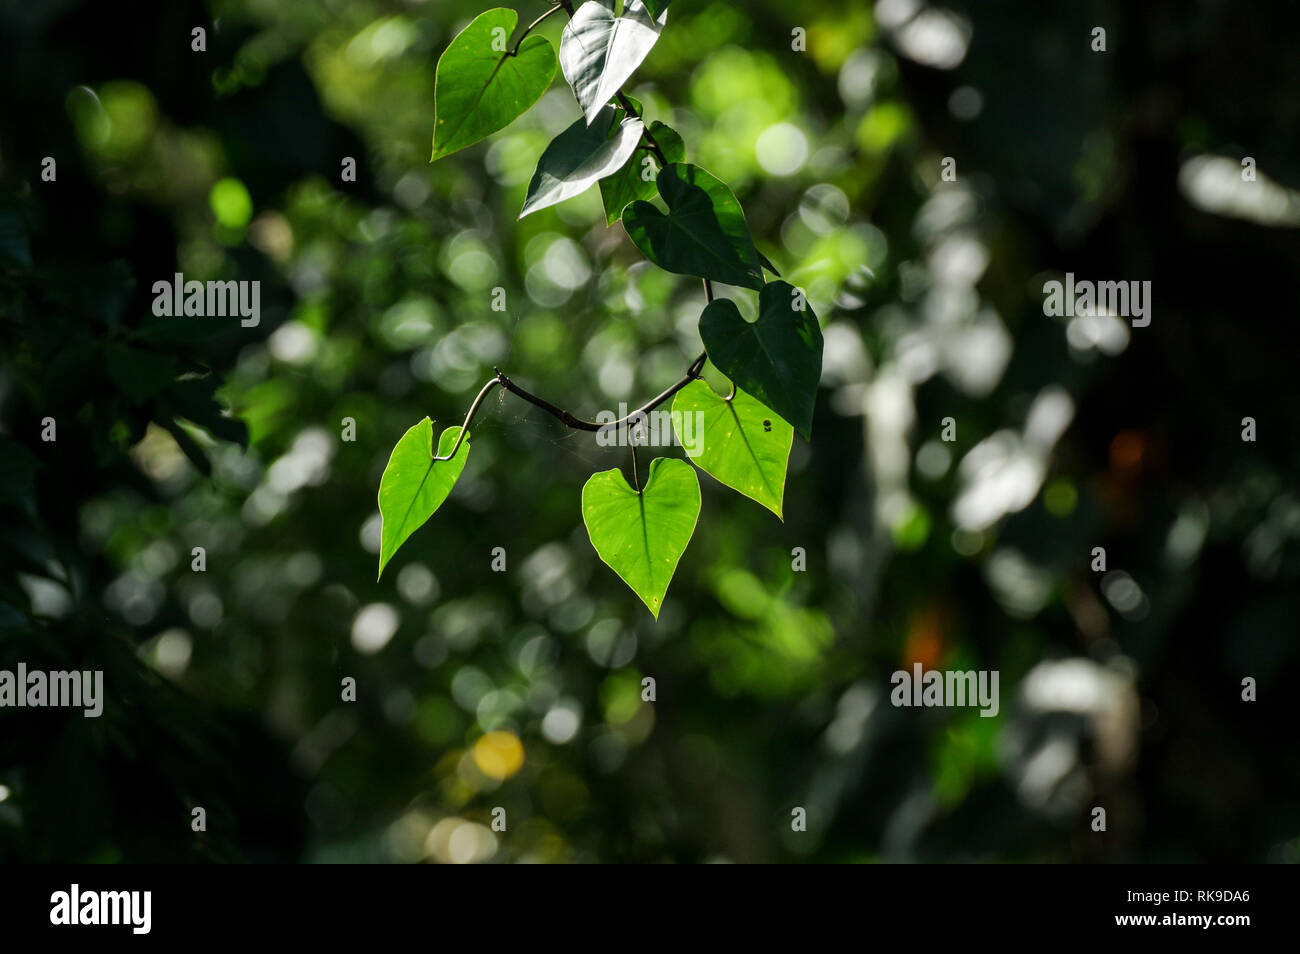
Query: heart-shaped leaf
[[777, 359], [636, 180], [480, 87], [414, 485], [580, 156], [739, 440], [704, 233], [642, 536], [599, 51]]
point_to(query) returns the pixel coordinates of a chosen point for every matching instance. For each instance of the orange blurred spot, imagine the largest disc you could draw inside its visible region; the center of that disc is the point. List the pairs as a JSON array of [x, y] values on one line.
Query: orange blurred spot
[[1127, 449], [924, 643]]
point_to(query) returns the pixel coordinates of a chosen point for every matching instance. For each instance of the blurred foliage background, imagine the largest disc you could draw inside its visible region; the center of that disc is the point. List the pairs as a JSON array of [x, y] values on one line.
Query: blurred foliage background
[[521, 689]]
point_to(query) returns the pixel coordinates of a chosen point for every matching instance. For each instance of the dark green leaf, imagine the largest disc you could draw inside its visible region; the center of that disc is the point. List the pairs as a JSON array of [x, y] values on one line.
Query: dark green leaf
[[480, 87], [139, 374], [778, 358], [704, 233], [194, 398], [188, 445]]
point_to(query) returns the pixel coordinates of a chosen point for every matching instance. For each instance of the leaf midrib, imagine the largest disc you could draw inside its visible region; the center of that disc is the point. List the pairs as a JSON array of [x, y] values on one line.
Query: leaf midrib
[[414, 497], [753, 329], [745, 437], [612, 37], [645, 540]]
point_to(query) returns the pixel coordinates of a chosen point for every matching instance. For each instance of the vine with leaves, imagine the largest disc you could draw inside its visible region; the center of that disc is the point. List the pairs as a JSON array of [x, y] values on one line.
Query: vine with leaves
[[683, 219]]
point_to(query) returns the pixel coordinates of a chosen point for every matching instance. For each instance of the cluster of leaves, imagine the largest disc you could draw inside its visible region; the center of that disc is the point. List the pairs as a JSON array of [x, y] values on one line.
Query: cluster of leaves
[[773, 363]]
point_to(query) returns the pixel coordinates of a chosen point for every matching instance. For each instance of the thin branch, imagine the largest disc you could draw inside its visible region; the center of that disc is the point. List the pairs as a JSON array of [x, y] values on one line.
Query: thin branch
[[708, 291], [473, 409], [577, 423], [650, 140], [529, 29], [563, 416]]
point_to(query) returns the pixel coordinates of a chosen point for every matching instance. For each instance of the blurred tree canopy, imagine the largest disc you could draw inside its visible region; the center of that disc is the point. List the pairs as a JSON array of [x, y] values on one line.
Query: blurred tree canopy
[[522, 690]]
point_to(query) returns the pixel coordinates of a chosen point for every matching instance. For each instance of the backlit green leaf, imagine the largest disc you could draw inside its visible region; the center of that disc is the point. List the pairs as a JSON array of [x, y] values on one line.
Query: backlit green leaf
[[414, 485], [480, 87], [642, 536], [704, 233], [778, 358], [738, 440]]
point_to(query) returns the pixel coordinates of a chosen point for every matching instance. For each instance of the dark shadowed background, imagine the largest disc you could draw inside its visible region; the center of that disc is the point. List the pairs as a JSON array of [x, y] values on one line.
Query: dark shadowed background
[[1120, 689]]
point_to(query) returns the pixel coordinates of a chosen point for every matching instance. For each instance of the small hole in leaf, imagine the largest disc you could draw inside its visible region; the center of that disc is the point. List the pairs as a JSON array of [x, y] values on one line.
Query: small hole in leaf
[[767, 425]]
